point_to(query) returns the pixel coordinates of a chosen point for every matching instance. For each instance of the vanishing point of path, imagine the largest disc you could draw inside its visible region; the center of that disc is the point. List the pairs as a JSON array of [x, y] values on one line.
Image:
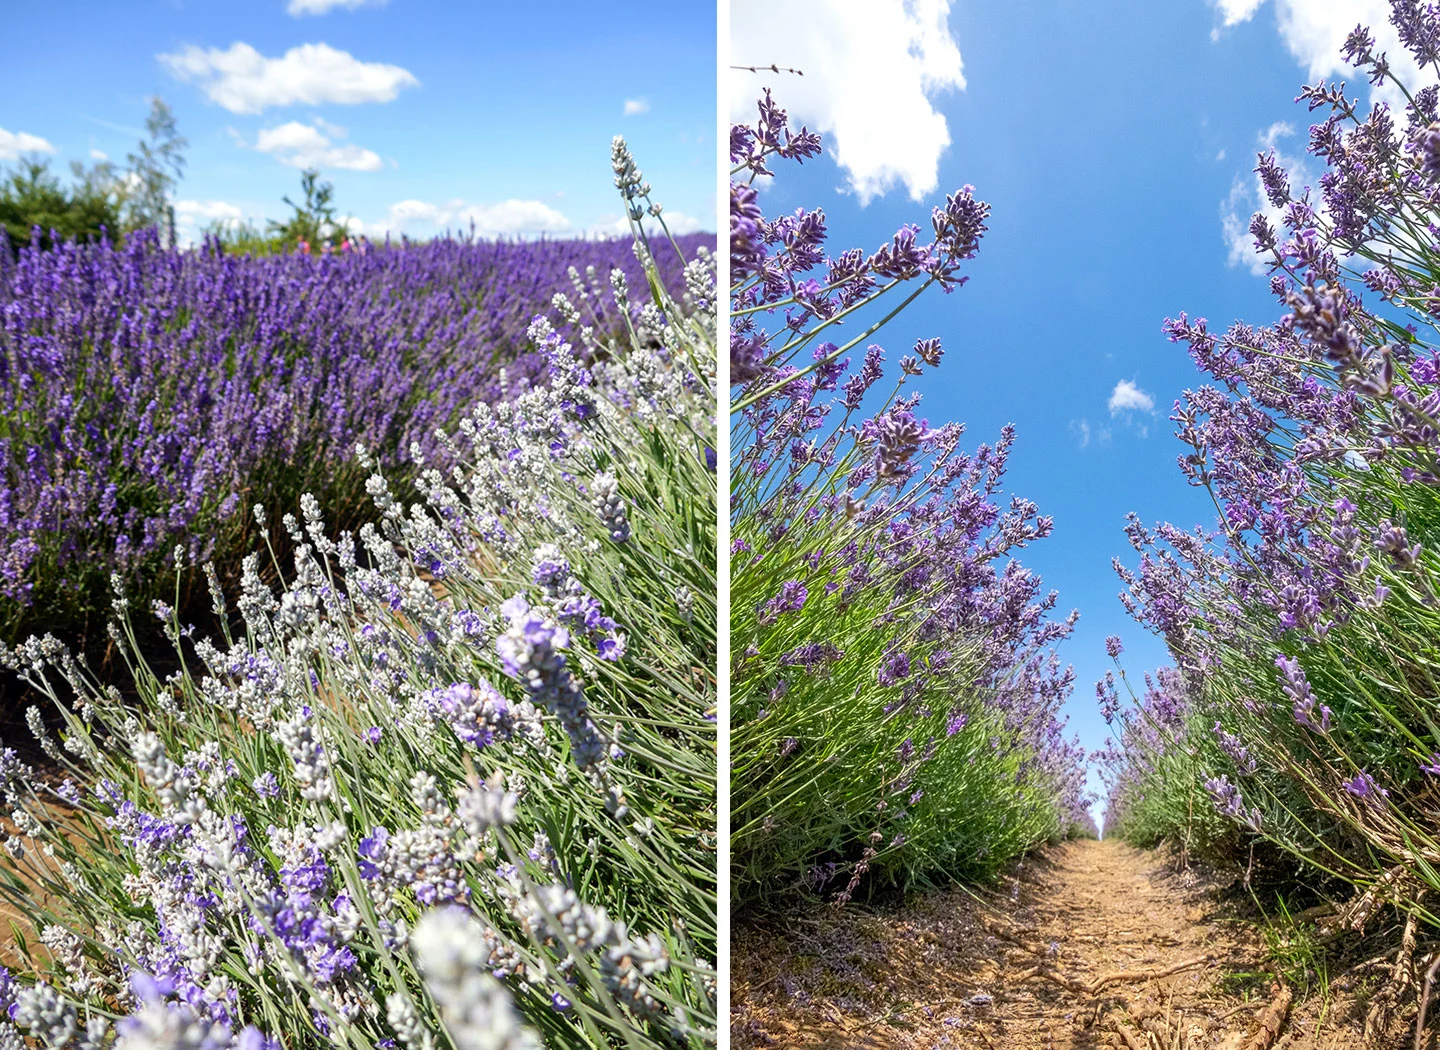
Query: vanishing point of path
[[1088, 945]]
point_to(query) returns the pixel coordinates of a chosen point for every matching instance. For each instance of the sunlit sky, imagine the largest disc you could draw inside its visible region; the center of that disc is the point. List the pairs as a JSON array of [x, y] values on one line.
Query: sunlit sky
[[1115, 144], [423, 114]]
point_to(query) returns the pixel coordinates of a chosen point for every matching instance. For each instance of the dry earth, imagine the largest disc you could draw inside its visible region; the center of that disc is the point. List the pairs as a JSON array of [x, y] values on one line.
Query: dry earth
[[1093, 944]]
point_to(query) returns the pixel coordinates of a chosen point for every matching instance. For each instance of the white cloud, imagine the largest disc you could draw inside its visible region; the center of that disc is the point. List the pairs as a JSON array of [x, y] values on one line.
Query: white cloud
[[1233, 12], [880, 125], [1081, 429], [300, 8], [508, 218], [512, 217], [1314, 30], [1127, 397], [308, 146], [210, 211], [619, 226], [14, 143], [99, 154], [244, 81], [678, 222], [636, 106], [191, 216]]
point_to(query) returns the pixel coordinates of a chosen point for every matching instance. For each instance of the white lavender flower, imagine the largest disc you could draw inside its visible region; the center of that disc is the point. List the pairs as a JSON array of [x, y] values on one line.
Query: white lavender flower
[[605, 497], [481, 807], [40, 1011], [685, 603], [449, 949], [303, 741], [400, 1014]]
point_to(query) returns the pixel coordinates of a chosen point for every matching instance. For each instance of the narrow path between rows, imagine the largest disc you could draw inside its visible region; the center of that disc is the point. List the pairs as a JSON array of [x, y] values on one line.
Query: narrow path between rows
[[1088, 945]]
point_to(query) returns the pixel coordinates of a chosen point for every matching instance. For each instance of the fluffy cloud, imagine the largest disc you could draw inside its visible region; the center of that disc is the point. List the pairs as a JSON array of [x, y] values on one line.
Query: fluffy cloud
[[209, 211], [1127, 397], [309, 146], [619, 226], [871, 69], [508, 218], [636, 106], [300, 8], [244, 81], [1233, 12], [192, 216], [14, 143], [1314, 30]]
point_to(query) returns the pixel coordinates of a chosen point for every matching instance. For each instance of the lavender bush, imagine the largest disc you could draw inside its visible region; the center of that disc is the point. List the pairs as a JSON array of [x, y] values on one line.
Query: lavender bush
[[1303, 628], [453, 784], [149, 397], [895, 694]]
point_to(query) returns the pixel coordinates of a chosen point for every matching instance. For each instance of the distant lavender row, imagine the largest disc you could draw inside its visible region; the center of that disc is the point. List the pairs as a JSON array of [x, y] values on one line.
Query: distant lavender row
[[147, 397]]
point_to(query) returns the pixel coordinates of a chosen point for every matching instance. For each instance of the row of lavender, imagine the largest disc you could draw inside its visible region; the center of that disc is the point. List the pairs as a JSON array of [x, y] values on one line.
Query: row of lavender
[[452, 783], [149, 397], [1303, 700], [895, 691]]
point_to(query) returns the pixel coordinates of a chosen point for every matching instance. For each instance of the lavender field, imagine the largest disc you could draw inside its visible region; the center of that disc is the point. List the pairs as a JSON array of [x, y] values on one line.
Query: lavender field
[[440, 770], [151, 397], [1271, 793]]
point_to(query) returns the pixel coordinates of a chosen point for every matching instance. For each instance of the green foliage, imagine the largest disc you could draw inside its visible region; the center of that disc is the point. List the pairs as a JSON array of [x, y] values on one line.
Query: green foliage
[[314, 222], [32, 195], [1296, 951], [155, 167], [101, 200], [821, 773], [244, 238]]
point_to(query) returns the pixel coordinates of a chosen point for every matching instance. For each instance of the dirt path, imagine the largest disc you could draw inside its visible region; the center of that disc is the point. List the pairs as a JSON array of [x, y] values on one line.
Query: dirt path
[[1095, 944]]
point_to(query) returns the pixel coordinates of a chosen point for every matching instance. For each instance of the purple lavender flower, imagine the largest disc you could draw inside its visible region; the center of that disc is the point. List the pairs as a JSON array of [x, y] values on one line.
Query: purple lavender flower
[[894, 668], [791, 599], [530, 652], [381, 348], [1364, 787], [1295, 686]]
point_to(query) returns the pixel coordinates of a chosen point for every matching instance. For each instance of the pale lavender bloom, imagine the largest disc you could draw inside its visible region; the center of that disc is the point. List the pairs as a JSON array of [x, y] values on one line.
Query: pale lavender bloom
[[478, 1012]]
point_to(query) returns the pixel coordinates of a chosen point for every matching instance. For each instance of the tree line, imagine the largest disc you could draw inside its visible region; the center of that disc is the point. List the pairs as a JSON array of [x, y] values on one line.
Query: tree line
[[107, 201]]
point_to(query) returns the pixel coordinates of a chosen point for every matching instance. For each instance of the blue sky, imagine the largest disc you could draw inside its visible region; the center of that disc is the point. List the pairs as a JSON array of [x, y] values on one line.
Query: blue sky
[[1115, 144], [422, 113]]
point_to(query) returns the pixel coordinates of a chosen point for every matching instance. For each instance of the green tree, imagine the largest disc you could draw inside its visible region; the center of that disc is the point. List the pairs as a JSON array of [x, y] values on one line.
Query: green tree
[[314, 222], [32, 195], [155, 168]]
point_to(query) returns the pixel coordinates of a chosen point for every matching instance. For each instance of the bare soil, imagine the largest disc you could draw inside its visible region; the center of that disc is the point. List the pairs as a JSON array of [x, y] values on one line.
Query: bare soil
[[1087, 945]]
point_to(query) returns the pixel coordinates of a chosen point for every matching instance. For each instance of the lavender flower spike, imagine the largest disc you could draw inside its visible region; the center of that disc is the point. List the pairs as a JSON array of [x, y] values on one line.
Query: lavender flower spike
[[450, 951], [1297, 688]]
